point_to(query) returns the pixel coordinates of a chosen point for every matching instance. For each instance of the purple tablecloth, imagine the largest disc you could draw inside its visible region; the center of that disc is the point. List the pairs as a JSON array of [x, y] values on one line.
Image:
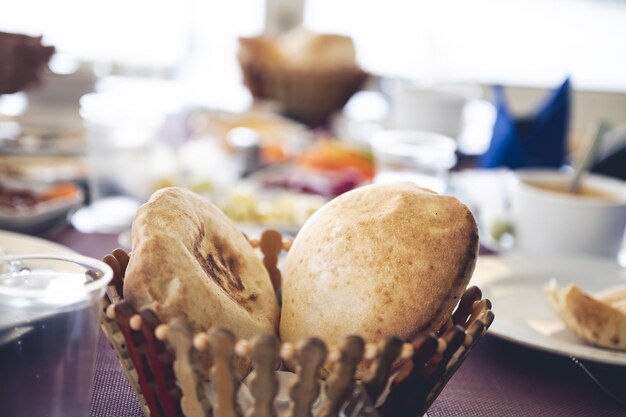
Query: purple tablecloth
[[497, 379]]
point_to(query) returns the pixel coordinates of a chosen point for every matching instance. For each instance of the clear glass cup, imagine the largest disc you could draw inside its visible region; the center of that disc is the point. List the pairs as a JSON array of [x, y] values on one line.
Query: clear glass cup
[[130, 152], [49, 328], [412, 155]]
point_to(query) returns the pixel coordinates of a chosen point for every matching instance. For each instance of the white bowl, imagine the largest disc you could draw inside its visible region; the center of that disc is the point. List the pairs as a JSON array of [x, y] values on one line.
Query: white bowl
[[42, 217], [551, 222]]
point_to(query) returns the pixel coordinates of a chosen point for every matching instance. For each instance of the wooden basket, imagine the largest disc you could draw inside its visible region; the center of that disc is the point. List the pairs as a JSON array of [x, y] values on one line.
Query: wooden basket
[[308, 96], [403, 378]]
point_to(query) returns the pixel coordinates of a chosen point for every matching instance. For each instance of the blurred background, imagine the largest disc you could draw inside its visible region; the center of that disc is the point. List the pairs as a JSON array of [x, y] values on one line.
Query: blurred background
[[144, 94], [526, 44]]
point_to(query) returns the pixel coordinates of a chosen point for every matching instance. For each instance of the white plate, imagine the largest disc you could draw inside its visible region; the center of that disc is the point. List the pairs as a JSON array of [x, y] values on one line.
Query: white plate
[[514, 283], [44, 215], [15, 243]]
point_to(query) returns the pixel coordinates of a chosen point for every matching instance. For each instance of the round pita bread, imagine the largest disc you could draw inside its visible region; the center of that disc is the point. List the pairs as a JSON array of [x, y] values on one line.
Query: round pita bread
[[189, 260], [385, 259]]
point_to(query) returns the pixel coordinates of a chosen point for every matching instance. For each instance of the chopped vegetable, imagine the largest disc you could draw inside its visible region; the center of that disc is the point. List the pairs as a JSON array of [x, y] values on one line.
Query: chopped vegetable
[[336, 156]]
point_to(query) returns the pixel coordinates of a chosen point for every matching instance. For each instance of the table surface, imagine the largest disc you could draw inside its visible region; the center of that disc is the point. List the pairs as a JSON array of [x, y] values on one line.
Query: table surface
[[497, 379]]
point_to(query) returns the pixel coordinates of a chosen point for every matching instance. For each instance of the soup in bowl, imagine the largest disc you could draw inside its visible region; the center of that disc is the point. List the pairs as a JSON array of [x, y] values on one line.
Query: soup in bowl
[[550, 220]]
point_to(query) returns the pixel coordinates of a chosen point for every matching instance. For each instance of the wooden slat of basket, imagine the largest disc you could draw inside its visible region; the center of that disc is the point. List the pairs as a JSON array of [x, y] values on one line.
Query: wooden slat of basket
[[454, 363], [222, 343], [436, 369], [160, 362], [309, 357], [136, 349], [122, 258], [194, 401], [271, 244], [116, 339], [263, 381], [117, 282], [340, 382], [477, 326], [404, 392], [466, 305], [380, 370]]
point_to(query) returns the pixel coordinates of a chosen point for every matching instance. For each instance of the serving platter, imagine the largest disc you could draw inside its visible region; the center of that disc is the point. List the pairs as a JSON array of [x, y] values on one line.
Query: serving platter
[[515, 281], [17, 243], [45, 214]]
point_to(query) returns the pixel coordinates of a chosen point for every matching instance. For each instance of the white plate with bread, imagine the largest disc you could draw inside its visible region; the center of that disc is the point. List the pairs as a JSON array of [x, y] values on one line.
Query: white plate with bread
[[558, 304]]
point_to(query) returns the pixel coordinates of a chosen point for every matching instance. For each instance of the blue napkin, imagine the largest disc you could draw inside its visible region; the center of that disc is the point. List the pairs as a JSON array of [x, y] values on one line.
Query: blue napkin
[[535, 141]]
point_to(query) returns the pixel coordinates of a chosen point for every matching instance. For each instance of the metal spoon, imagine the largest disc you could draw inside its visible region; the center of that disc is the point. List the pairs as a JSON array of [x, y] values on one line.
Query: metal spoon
[[601, 128]]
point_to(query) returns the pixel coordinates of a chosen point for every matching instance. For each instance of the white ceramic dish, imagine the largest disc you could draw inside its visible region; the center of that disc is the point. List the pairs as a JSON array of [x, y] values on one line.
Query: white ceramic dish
[[514, 283], [488, 192], [271, 128], [549, 222], [42, 217], [45, 131], [16, 243]]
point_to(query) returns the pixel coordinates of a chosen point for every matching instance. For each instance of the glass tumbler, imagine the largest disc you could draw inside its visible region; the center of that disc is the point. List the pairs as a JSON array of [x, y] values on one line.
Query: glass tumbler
[[412, 155], [128, 153], [49, 328]]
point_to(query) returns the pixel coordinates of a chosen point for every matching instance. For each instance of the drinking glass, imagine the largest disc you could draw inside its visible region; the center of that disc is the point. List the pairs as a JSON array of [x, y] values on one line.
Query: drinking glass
[[412, 155], [128, 151], [49, 333]]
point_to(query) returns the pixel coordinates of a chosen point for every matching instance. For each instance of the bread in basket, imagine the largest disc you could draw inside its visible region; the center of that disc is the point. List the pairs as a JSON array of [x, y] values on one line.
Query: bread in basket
[[354, 377], [311, 75]]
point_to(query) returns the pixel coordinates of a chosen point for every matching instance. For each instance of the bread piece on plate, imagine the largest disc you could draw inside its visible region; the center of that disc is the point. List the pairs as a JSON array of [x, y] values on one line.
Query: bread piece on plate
[[600, 319], [384, 259], [189, 260]]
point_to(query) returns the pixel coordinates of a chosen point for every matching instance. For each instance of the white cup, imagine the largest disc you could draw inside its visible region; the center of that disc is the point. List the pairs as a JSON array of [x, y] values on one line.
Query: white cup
[[433, 109], [555, 222]]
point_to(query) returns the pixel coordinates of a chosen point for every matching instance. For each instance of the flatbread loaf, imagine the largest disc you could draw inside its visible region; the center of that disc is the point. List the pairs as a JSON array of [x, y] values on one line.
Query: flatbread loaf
[[599, 319], [384, 259], [189, 260]]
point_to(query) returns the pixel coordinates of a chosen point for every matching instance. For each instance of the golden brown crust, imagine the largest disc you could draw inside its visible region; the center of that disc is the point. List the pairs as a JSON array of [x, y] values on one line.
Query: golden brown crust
[[300, 50], [262, 50], [591, 319], [383, 259], [190, 261], [305, 49]]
